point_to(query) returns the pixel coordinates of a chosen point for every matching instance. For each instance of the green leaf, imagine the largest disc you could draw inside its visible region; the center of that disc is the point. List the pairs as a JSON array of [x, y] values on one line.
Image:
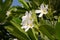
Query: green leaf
[[45, 31], [31, 34], [36, 2], [7, 4], [16, 20], [50, 29], [2, 17], [57, 30], [24, 3], [19, 28], [19, 9], [46, 1], [33, 4], [1, 4], [14, 31]]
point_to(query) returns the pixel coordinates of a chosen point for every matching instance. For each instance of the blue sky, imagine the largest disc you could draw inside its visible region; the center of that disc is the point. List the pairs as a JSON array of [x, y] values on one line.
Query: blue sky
[[15, 3]]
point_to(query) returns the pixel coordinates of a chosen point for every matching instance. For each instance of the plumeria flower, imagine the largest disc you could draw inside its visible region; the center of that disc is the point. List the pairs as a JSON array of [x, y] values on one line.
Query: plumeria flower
[[43, 10], [27, 21], [8, 13], [15, 39]]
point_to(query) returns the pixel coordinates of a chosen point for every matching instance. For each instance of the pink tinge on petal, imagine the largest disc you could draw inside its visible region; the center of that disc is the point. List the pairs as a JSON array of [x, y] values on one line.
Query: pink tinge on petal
[[24, 18], [27, 21], [24, 27], [42, 6], [27, 29]]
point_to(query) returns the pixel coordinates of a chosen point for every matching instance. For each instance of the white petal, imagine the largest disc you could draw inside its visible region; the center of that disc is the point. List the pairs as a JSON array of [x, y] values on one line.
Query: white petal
[[29, 15], [26, 21], [26, 14], [46, 6], [27, 29], [41, 15], [42, 6], [37, 11], [24, 18], [46, 12], [15, 39], [30, 12], [24, 27], [29, 21], [54, 11], [8, 13]]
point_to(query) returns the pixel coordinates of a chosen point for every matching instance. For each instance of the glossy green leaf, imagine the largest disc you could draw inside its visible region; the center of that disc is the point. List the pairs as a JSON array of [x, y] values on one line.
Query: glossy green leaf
[[7, 4], [58, 31], [17, 20], [2, 17], [24, 3], [36, 2], [14, 31], [49, 28], [31, 34], [57, 28], [19, 28], [45, 31], [1, 4], [46, 1], [18, 9]]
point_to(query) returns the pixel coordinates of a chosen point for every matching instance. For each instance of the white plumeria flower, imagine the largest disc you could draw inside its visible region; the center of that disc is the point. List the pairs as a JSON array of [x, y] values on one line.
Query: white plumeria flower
[[27, 21], [15, 39], [43, 10], [8, 13]]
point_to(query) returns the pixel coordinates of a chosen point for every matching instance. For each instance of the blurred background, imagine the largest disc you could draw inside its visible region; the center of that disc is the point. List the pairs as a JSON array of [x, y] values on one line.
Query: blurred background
[[16, 3]]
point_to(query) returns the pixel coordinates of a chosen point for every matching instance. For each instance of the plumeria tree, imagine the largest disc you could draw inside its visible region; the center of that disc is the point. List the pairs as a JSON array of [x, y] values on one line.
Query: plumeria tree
[[34, 20]]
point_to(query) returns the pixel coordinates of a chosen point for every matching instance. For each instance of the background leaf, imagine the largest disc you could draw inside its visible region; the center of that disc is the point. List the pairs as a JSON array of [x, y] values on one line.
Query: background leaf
[[45, 31], [24, 3], [31, 34]]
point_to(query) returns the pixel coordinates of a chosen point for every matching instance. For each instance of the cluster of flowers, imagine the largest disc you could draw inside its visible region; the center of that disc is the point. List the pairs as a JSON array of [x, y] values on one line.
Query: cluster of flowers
[[27, 20]]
